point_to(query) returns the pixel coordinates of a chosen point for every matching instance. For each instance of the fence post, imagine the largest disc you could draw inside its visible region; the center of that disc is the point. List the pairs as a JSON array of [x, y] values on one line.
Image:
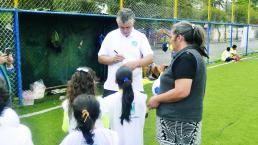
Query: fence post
[[15, 3], [246, 46], [248, 22], [232, 21], [208, 40], [175, 9], [248, 12], [121, 4], [231, 35], [233, 11], [18, 57], [209, 10]]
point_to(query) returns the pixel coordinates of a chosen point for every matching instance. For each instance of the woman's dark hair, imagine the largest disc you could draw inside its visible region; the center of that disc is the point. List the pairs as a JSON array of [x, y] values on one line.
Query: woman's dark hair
[[86, 110], [124, 81], [82, 82], [193, 34], [4, 95]]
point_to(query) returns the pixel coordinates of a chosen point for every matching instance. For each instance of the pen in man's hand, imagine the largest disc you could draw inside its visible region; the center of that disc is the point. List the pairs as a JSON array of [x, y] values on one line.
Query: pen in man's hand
[[115, 51]]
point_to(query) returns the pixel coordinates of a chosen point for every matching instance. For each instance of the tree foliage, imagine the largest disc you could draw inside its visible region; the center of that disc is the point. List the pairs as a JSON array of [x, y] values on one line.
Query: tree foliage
[[187, 9], [218, 15]]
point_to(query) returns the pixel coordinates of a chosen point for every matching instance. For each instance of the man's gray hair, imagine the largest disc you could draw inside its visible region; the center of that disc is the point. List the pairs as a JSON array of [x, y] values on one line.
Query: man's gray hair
[[125, 14]]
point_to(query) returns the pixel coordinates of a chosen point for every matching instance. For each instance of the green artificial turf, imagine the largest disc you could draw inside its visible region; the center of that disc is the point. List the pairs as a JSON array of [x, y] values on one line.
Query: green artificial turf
[[231, 105], [149, 128], [46, 128], [229, 118]]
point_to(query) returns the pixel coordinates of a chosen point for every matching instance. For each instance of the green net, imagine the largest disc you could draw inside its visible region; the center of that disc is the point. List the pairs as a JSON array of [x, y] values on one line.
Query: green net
[[53, 46]]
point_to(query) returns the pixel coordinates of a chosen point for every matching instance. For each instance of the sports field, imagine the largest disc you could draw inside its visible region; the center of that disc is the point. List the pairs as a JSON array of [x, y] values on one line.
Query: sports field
[[230, 109]]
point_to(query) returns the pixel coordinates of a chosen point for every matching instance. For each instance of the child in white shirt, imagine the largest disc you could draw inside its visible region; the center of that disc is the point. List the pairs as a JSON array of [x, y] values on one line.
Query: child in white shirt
[[126, 109], [82, 81], [86, 110], [11, 131]]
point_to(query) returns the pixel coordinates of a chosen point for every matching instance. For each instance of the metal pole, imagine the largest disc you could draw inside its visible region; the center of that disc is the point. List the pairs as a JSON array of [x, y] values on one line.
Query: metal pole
[[246, 46], [15, 3], [233, 11], [208, 40], [121, 4], [231, 35], [232, 21], [248, 22], [175, 9], [209, 29], [248, 13], [18, 57], [209, 10]]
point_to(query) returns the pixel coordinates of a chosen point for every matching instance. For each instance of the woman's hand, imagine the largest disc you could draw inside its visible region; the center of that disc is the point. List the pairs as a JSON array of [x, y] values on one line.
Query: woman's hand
[[153, 102]]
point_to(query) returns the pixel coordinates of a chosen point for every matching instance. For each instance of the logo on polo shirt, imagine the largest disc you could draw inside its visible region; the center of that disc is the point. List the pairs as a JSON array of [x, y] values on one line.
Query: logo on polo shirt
[[134, 43]]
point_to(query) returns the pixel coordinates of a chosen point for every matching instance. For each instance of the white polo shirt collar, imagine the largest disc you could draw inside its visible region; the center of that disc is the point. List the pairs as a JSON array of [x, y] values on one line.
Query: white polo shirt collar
[[131, 34]]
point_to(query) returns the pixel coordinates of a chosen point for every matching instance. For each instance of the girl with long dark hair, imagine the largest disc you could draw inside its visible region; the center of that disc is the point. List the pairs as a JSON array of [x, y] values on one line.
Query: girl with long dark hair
[[86, 110], [126, 109], [82, 81]]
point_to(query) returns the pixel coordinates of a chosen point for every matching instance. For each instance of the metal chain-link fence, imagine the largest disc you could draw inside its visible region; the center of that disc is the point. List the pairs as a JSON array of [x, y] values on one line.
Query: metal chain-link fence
[[191, 9], [7, 40], [6, 4], [253, 39], [151, 9], [80, 6], [182, 9], [219, 39]]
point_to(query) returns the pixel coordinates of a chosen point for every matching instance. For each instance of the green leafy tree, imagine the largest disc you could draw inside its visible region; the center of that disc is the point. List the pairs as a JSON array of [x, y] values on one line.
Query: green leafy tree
[[185, 9], [150, 8], [218, 15], [241, 13]]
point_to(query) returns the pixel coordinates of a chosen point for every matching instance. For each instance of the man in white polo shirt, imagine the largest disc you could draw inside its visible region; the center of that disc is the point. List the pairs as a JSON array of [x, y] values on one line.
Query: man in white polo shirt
[[125, 46]]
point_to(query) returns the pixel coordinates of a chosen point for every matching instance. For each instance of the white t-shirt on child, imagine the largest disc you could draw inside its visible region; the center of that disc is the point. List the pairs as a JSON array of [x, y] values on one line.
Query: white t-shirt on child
[[130, 133], [72, 123], [101, 136], [9, 118], [11, 131]]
